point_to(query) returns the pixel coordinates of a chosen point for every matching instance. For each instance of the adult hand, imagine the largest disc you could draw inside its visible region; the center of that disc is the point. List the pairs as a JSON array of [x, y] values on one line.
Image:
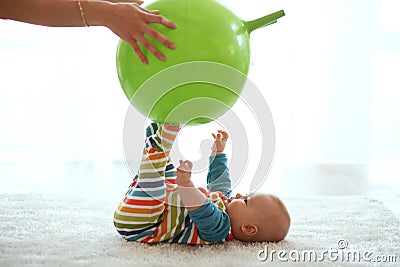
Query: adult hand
[[131, 22], [125, 18]]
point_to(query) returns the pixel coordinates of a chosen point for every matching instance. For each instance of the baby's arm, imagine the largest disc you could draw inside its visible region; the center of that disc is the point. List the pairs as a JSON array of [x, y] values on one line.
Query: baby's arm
[[212, 223], [219, 142], [218, 177], [192, 197]]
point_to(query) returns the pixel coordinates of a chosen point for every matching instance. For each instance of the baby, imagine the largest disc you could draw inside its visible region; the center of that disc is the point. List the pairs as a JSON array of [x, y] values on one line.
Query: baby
[[163, 205]]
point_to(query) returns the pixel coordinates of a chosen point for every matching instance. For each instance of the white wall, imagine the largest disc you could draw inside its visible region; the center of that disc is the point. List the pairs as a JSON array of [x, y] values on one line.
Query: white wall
[[328, 70]]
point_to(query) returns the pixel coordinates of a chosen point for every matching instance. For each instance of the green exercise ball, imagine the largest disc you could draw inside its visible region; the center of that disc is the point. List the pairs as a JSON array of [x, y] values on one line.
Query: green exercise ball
[[203, 76]]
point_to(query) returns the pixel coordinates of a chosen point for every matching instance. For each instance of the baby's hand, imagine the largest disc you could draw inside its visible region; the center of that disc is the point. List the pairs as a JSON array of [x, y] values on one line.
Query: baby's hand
[[219, 142], [183, 172]]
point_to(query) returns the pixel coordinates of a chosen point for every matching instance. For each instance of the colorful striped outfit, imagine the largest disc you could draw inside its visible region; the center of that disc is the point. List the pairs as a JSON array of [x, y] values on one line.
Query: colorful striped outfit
[[152, 211]]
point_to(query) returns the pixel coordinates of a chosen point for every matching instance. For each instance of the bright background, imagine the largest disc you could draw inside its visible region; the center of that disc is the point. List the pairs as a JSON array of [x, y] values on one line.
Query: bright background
[[329, 71]]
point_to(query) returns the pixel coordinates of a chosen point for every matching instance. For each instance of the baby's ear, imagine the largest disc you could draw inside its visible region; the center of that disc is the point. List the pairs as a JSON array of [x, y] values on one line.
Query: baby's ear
[[249, 229]]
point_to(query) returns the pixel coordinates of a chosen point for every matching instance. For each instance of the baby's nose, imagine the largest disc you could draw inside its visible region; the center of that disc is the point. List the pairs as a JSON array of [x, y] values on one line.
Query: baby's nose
[[239, 196]]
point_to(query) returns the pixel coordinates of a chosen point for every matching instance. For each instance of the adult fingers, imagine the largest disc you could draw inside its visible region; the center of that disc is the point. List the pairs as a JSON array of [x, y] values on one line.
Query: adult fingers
[[161, 20], [148, 46], [137, 50], [139, 2], [159, 37], [151, 12]]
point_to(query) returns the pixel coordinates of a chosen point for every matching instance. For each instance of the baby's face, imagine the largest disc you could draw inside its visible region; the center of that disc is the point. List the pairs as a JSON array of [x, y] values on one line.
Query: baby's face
[[245, 206], [265, 211]]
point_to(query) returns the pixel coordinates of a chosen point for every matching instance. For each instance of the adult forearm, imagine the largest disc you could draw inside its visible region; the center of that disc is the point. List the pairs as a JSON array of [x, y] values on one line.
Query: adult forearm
[[54, 12]]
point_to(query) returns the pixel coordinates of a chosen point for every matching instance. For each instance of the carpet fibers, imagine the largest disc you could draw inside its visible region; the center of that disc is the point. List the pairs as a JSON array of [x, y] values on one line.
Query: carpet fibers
[[45, 230]]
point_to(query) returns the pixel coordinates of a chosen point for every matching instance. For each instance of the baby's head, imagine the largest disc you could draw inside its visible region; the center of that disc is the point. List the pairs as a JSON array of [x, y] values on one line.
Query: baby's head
[[258, 217]]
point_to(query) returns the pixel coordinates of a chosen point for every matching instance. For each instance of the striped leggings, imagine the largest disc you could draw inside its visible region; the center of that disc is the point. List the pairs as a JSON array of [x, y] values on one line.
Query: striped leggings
[[140, 212]]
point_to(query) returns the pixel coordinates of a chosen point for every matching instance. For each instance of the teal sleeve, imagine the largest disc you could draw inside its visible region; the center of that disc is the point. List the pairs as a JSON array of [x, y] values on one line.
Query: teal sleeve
[[218, 177], [213, 224]]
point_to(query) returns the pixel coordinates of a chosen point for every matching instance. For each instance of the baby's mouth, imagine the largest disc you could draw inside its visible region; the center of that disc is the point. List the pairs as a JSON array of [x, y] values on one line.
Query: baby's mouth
[[228, 200]]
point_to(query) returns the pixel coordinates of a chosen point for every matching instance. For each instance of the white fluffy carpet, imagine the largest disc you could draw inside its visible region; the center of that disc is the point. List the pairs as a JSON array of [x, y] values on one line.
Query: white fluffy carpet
[[42, 230]]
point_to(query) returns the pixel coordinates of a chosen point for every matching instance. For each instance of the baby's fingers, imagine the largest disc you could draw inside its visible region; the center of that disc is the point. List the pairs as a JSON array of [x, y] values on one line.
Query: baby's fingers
[[189, 164], [217, 137], [224, 134], [185, 166]]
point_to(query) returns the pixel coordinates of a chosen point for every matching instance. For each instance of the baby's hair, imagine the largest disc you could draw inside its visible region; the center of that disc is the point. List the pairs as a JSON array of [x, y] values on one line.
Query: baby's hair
[[282, 225], [282, 207]]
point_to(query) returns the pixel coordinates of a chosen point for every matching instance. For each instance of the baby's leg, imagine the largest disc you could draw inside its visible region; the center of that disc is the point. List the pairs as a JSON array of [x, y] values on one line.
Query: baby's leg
[[141, 210], [169, 168]]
